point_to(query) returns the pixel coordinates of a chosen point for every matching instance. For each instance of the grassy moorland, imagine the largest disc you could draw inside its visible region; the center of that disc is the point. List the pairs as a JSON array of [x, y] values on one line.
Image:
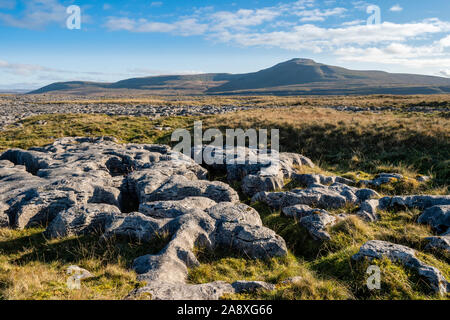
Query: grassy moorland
[[356, 145]]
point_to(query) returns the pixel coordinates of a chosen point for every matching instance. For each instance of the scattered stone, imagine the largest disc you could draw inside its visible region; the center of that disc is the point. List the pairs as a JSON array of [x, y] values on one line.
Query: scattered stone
[[376, 249], [207, 291], [418, 201], [316, 195], [382, 178], [293, 280], [79, 273], [423, 178]]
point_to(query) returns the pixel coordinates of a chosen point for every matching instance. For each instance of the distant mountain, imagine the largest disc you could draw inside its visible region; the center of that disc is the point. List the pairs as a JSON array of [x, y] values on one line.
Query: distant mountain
[[293, 77]]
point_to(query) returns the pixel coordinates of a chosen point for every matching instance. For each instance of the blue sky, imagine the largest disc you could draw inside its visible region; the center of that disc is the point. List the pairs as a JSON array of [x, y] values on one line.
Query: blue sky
[[123, 39]]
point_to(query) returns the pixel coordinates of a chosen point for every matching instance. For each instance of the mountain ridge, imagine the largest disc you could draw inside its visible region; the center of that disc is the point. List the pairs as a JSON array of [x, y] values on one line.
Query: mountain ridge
[[293, 77]]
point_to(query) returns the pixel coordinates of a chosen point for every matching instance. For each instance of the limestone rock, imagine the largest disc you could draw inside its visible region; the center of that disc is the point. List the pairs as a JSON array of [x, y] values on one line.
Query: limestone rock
[[317, 223], [440, 243], [438, 217], [376, 249], [234, 213], [258, 170], [4, 219], [81, 219], [415, 201], [310, 179], [208, 291], [175, 208], [79, 273], [368, 210], [382, 178], [179, 187]]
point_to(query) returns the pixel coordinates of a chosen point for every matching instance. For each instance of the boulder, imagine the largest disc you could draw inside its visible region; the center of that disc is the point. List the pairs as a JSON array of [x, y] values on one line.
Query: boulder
[[382, 178], [406, 256], [208, 291], [368, 210], [415, 201], [179, 187], [81, 219], [438, 217], [440, 243]]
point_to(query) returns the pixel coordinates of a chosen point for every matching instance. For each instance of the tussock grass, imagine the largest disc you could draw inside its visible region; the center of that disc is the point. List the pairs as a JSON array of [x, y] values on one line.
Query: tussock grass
[[276, 270], [343, 142], [33, 267]]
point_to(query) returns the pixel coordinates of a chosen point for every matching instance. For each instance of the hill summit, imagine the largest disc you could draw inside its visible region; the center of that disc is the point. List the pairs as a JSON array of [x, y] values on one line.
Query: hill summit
[[292, 77]]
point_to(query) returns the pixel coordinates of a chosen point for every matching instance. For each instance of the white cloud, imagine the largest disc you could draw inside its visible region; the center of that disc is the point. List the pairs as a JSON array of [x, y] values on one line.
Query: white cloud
[[445, 73], [396, 8], [309, 36], [22, 69], [354, 22], [156, 4], [319, 15], [445, 42], [424, 56], [37, 13], [243, 18], [185, 27]]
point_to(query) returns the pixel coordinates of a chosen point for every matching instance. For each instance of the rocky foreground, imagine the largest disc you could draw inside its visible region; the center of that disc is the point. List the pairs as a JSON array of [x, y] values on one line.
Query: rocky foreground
[[94, 185]]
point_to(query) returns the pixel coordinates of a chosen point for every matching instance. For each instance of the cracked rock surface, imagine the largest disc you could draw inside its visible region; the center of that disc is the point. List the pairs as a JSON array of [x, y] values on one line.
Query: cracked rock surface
[[257, 169], [84, 185]]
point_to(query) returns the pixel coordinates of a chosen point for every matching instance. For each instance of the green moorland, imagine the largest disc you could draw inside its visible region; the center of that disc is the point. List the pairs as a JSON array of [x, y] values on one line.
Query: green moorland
[[357, 146]]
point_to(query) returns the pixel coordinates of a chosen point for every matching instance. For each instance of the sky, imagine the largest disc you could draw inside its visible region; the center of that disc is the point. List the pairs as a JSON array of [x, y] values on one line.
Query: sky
[[41, 42]]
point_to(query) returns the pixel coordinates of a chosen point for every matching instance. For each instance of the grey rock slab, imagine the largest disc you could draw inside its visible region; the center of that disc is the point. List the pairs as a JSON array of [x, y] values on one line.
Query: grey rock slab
[[175, 208], [414, 201], [368, 210], [376, 249], [82, 219], [250, 240], [438, 217], [440, 243], [4, 219], [135, 225], [179, 187], [317, 223], [81, 185], [207, 291], [382, 178], [235, 213]]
